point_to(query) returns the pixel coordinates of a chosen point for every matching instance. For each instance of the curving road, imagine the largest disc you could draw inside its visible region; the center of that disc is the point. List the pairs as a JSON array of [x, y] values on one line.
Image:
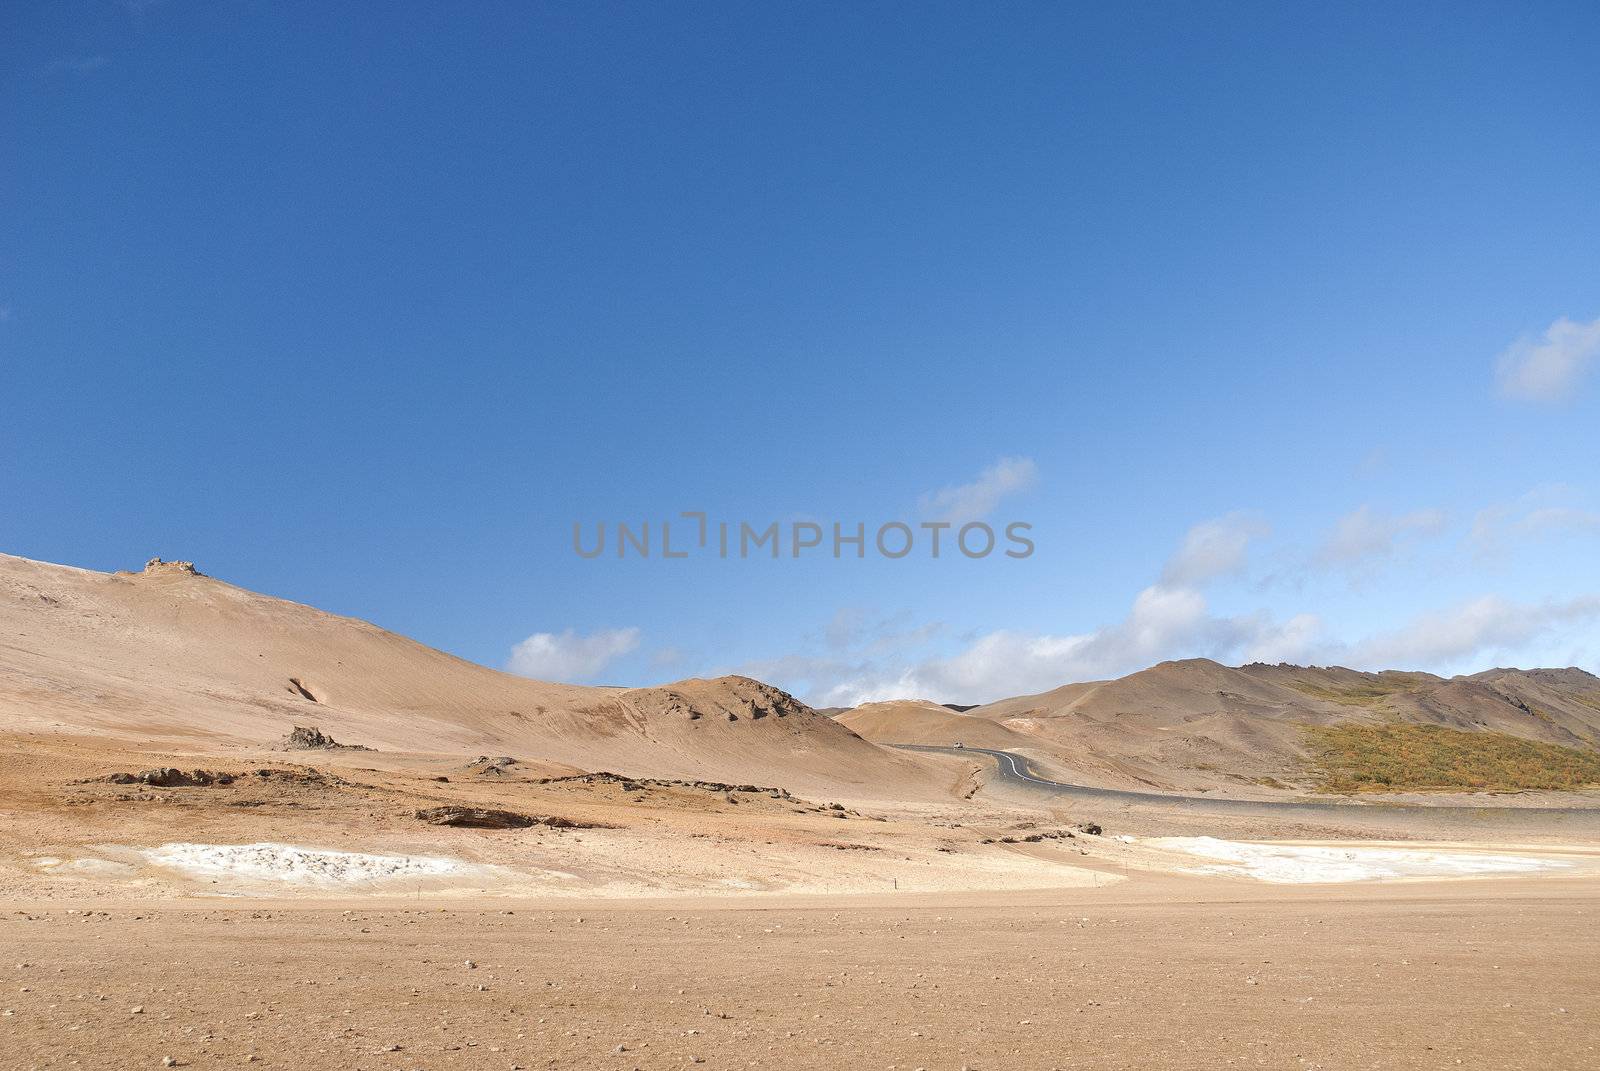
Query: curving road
[[1016, 770]]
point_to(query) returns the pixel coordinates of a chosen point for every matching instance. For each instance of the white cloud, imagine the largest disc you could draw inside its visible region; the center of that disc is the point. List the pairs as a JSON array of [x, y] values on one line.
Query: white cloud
[[865, 657], [1550, 369], [1560, 519], [1373, 462], [869, 658], [1013, 663], [1546, 511], [863, 629], [1213, 549], [1366, 535], [569, 657], [824, 681], [976, 500], [1167, 623], [666, 657], [1296, 640], [1163, 622], [76, 65], [1483, 626]]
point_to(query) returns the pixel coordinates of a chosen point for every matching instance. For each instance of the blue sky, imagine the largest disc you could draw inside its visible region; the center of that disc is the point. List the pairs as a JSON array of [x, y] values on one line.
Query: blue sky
[[1281, 326]]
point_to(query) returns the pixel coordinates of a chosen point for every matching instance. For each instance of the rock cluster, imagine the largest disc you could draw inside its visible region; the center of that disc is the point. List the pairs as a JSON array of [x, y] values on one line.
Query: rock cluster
[[311, 738], [633, 784], [492, 767], [156, 564], [475, 818], [170, 777], [487, 818], [1034, 838]]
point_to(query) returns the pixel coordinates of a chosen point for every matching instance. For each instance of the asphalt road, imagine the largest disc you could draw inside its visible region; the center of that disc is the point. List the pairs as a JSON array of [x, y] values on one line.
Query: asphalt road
[[1016, 770]]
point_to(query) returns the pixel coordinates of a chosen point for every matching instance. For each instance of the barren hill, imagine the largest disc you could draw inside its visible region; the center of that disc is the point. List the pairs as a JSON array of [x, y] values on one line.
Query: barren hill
[[921, 721], [1199, 725], [171, 656]]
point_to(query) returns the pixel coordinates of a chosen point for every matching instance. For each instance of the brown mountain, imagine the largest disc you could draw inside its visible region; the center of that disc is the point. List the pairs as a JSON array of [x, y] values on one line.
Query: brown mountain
[[1199, 725], [171, 657]]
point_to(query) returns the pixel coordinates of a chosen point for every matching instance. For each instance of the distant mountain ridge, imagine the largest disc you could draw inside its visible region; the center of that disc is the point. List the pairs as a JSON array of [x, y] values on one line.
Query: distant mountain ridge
[[1197, 724]]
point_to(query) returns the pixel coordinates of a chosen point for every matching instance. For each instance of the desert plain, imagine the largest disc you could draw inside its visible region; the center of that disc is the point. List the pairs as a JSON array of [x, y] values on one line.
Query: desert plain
[[236, 831]]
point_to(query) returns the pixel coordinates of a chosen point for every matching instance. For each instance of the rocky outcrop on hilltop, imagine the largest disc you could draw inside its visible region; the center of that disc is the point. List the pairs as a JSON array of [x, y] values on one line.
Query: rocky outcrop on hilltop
[[156, 565], [725, 698]]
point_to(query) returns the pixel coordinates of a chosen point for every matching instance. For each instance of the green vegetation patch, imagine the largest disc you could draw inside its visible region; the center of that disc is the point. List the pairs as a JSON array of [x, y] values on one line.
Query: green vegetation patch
[[1394, 757], [1365, 694]]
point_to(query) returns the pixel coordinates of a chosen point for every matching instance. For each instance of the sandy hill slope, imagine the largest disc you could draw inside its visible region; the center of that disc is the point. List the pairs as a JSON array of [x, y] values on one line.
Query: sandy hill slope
[[921, 721], [171, 656], [1198, 724]]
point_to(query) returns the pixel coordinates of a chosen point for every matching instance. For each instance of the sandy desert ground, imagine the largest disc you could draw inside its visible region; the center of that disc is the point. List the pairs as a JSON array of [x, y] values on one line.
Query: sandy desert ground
[[703, 874], [1159, 973], [675, 928]]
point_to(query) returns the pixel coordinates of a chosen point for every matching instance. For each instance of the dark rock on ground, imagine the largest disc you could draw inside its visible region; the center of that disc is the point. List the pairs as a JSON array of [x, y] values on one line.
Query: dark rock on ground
[[1032, 838], [488, 818], [311, 738], [475, 818], [631, 784], [170, 777]]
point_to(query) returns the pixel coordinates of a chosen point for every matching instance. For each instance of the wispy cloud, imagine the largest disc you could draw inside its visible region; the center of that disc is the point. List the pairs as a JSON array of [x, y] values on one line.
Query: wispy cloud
[[1366, 536], [976, 500], [1543, 512], [1214, 548], [1484, 626], [570, 657], [1163, 622], [75, 65], [870, 659], [1552, 367], [862, 656], [666, 657], [1373, 462], [1166, 623], [860, 628]]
